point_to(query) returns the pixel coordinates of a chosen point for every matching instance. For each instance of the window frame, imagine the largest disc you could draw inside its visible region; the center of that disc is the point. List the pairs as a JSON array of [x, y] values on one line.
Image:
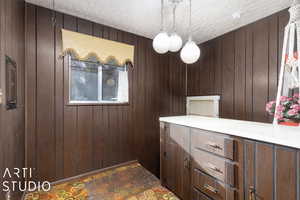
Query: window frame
[[67, 89]]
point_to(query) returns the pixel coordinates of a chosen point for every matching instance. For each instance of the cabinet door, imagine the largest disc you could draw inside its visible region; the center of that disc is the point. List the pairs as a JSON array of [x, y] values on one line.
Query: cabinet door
[[270, 172], [287, 171], [175, 169], [259, 171], [163, 133]]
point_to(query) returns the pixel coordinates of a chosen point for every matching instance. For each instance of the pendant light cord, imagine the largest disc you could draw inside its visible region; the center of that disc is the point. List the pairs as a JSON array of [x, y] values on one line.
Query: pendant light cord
[[53, 13], [162, 15], [174, 18], [190, 22]]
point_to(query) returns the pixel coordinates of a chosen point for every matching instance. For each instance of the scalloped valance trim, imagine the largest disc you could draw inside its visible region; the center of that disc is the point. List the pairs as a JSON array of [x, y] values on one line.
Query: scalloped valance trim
[[108, 60], [83, 47]]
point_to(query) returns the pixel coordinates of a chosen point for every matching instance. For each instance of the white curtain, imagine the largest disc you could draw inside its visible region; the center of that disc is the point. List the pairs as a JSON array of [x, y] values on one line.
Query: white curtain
[[123, 87]]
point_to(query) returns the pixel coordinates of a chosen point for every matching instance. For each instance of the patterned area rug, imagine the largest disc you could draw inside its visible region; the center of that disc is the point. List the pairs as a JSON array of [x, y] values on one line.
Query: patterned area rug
[[129, 182]]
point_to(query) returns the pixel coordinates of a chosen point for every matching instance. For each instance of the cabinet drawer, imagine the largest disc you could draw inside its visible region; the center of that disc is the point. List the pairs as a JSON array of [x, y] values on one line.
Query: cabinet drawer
[[211, 187], [216, 143], [213, 165], [197, 195]]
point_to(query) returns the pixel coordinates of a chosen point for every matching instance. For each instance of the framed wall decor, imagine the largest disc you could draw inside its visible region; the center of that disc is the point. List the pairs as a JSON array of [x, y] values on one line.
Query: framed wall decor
[[11, 83]]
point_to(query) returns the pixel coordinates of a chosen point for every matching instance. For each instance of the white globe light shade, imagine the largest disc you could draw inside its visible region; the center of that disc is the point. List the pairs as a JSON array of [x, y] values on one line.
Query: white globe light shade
[[175, 42], [190, 53], [161, 43]]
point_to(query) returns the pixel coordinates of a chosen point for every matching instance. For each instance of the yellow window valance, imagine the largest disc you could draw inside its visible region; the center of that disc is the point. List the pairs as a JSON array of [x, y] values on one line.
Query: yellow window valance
[[84, 46]]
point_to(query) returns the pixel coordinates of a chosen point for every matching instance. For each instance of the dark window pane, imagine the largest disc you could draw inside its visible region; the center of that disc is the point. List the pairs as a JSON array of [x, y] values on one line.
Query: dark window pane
[[84, 81]]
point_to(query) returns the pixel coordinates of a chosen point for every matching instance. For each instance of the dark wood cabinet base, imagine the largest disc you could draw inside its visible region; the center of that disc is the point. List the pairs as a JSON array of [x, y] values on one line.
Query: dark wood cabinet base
[[254, 171]]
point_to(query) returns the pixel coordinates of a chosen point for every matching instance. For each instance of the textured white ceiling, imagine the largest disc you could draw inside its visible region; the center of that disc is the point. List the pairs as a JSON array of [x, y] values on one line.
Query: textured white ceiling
[[210, 18]]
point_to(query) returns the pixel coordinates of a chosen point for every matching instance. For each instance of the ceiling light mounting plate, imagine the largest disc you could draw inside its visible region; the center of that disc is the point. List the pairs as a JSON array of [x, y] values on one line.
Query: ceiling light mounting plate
[[175, 1], [236, 15]]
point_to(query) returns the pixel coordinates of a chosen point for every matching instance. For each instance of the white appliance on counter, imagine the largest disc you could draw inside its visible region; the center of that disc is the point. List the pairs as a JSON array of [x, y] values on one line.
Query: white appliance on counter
[[207, 106]]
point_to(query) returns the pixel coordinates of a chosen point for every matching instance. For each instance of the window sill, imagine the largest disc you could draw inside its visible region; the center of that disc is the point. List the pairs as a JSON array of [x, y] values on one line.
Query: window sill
[[98, 104]]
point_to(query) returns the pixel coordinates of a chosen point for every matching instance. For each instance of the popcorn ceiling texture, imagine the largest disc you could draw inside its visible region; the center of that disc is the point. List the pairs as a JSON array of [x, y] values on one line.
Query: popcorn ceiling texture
[[210, 18]]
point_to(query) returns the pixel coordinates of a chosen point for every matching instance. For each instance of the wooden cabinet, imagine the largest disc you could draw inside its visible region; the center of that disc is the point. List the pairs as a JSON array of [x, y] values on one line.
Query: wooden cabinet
[[175, 159], [203, 165], [271, 172], [197, 195], [221, 145], [215, 167], [211, 187]]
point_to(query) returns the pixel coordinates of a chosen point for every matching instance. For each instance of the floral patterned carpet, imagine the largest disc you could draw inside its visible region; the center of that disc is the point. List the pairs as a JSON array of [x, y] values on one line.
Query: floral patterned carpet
[[128, 182]]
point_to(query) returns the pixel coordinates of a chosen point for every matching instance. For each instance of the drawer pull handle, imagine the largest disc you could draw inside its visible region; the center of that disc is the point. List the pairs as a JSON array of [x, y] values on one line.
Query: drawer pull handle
[[214, 168], [1, 97], [186, 163], [252, 195], [210, 188], [214, 145]]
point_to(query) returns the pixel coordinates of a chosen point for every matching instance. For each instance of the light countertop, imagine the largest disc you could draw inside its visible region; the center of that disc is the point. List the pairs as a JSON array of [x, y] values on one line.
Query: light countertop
[[282, 135]]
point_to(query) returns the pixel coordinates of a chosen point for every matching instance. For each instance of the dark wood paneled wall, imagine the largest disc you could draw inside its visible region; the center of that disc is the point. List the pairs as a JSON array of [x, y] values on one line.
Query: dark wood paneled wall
[[242, 66], [12, 121], [63, 141]]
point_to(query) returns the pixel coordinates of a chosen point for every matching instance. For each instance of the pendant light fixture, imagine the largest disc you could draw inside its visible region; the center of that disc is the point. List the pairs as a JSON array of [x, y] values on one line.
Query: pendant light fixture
[[161, 42], [190, 53], [175, 39]]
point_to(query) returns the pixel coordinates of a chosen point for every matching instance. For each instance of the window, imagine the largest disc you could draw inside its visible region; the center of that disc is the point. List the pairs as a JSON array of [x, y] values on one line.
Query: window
[[94, 83]]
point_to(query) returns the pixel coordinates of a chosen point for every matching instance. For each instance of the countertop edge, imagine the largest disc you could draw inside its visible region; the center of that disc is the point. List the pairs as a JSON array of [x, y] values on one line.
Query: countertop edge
[[272, 138]]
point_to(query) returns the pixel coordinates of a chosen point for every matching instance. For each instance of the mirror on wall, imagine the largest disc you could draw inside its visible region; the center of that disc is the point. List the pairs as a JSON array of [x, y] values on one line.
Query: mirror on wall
[[11, 83]]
